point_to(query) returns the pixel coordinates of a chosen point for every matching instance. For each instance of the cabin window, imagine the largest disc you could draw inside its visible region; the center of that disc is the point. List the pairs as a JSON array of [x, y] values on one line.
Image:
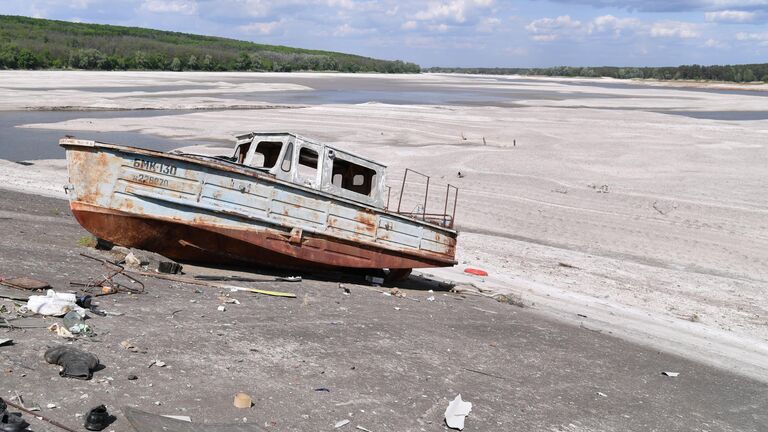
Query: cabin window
[[267, 153], [352, 177], [242, 151], [307, 163], [286, 165]]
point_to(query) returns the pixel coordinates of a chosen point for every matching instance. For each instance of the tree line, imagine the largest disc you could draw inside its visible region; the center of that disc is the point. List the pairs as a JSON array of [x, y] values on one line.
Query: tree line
[[732, 73], [30, 43]]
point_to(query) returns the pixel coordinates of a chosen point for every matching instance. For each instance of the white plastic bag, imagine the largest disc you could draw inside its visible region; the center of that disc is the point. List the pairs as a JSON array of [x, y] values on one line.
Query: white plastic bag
[[53, 303]]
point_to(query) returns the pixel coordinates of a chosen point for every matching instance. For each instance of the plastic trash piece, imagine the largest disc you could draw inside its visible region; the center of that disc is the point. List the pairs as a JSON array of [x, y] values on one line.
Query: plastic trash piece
[[6, 342], [53, 303], [456, 412], [242, 400], [74, 363], [60, 330], [74, 321], [670, 374], [475, 271], [341, 423]]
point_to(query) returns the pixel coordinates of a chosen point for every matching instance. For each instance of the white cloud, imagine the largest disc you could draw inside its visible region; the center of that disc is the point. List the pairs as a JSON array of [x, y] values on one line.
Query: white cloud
[[409, 25], [263, 28], [393, 11], [185, 7], [613, 24], [674, 29], [760, 38], [442, 27], [733, 16], [549, 29], [456, 10], [348, 30], [714, 43], [488, 25], [343, 4]]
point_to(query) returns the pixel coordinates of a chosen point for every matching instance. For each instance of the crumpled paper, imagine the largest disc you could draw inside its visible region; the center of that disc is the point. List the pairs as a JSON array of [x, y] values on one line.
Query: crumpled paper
[[456, 412]]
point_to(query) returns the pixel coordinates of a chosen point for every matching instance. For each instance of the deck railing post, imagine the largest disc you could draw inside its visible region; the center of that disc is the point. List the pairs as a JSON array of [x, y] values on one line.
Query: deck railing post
[[426, 196], [402, 188]]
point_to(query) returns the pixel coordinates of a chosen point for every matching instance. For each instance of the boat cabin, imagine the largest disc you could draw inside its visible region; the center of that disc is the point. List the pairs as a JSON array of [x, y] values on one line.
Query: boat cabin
[[298, 160]]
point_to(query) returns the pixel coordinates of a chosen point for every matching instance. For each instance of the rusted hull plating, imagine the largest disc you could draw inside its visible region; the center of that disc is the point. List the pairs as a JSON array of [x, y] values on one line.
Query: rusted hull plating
[[196, 211]]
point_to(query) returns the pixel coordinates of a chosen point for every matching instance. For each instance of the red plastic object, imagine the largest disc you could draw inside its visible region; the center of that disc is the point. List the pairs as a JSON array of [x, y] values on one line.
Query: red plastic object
[[476, 272]]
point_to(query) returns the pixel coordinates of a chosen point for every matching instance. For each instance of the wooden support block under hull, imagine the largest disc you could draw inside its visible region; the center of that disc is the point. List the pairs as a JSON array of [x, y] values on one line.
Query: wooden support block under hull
[[259, 246]]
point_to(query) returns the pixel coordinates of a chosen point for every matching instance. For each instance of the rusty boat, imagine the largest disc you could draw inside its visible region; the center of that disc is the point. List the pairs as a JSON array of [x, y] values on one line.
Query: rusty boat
[[282, 200]]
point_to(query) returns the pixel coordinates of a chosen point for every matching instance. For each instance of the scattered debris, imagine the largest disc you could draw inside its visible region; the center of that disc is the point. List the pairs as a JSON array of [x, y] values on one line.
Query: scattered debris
[[456, 412], [179, 417], [157, 363], [128, 345], [60, 330], [664, 207], [670, 374], [6, 342], [53, 303], [131, 260], [169, 267], [566, 265], [323, 389], [246, 279], [25, 283], [358, 427], [97, 418], [431, 298], [513, 299], [475, 271], [214, 285], [484, 373], [375, 280], [601, 394], [11, 422], [341, 423], [74, 363], [74, 321], [562, 190], [37, 415], [221, 308], [242, 400], [132, 377]]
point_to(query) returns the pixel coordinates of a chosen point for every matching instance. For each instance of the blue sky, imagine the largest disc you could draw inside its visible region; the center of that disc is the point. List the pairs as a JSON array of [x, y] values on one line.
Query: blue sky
[[458, 32]]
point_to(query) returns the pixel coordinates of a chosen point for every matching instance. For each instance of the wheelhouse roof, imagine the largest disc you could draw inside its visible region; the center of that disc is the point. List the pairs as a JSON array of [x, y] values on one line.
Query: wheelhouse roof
[[250, 135]]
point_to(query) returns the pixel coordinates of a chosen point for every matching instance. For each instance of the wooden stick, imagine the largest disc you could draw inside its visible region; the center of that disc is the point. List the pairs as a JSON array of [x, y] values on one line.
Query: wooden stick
[[211, 284]]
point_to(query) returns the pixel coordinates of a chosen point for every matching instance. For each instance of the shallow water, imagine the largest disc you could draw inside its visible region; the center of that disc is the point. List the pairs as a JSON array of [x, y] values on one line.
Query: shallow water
[[18, 144], [26, 144]]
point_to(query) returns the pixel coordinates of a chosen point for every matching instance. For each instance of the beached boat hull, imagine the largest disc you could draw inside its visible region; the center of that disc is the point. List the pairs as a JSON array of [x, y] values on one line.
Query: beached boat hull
[[204, 211]]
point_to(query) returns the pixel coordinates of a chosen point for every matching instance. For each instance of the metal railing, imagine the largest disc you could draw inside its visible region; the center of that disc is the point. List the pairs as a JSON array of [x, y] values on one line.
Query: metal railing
[[444, 219]]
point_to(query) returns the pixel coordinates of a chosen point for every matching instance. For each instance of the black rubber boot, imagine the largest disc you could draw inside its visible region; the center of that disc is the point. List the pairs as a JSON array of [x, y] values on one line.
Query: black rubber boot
[[97, 418], [74, 362], [10, 422]]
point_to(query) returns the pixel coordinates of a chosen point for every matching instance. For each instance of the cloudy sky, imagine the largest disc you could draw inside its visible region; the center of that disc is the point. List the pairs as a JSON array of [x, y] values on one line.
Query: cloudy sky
[[486, 33]]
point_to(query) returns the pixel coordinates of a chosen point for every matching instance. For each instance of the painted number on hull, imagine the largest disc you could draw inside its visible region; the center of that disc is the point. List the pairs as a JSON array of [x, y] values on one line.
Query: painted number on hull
[[151, 180], [154, 166]]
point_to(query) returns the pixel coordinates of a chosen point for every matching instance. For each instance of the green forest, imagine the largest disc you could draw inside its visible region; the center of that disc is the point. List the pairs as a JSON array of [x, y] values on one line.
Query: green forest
[[31, 43], [733, 73]]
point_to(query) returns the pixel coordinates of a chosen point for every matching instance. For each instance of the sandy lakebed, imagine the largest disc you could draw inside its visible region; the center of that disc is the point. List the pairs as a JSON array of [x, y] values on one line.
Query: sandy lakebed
[[635, 209]]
